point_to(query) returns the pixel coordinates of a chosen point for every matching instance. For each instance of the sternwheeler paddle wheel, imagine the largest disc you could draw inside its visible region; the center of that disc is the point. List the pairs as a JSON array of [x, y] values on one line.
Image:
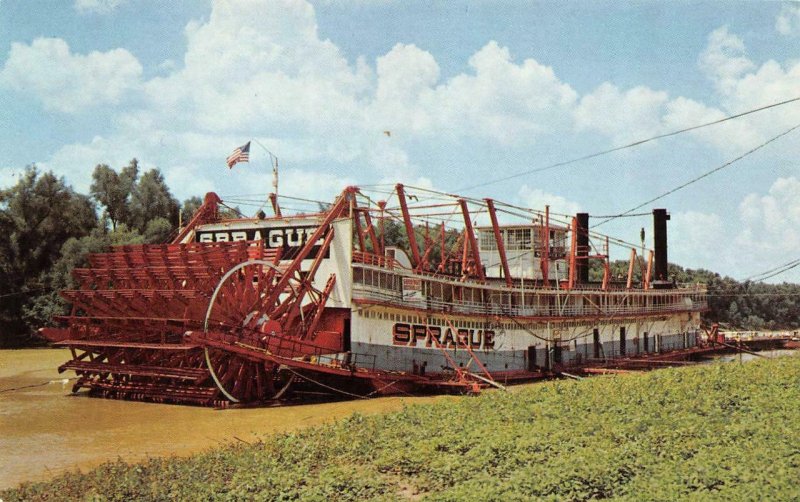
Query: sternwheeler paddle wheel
[[197, 322]]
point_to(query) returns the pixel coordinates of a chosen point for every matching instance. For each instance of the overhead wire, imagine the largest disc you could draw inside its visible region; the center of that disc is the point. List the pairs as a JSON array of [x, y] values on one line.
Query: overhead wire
[[629, 145], [702, 176], [776, 271]]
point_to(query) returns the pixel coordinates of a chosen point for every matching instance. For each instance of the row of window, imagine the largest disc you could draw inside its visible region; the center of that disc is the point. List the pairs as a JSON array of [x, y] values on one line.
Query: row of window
[[415, 319], [449, 293], [519, 239]]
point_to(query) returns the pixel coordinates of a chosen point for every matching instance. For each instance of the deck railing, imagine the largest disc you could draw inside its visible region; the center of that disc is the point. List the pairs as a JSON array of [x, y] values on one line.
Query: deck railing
[[568, 309]]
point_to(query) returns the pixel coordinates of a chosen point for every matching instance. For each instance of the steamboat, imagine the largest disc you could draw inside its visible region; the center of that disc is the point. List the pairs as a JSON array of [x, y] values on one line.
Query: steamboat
[[411, 291]]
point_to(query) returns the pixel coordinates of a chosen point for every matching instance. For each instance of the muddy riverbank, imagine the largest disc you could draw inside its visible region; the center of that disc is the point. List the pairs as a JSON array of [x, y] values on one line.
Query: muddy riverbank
[[44, 430]]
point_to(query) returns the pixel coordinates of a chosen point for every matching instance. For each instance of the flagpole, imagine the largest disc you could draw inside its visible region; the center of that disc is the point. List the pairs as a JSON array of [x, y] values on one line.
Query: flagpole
[[274, 161]]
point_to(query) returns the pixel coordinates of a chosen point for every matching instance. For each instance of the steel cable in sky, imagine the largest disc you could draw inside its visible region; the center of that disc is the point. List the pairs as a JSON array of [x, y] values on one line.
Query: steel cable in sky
[[704, 175], [629, 145]]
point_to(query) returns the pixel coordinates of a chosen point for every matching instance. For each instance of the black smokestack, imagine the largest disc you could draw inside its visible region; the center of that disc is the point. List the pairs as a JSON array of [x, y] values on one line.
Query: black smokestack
[[660, 218], [582, 264]]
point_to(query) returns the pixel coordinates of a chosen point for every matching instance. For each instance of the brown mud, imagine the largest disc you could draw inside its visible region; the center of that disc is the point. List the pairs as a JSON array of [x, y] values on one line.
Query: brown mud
[[45, 430]]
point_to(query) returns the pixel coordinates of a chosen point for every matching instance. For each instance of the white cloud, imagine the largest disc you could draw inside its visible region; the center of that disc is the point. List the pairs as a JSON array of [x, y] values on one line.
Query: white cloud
[[694, 239], [258, 64], [186, 181], [788, 20], [623, 116], [770, 224], [770, 83], [313, 185], [97, 6], [537, 199], [741, 85], [258, 68], [763, 234], [76, 161], [9, 176], [724, 60], [499, 100], [404, 73], [731, 137], [506, 101], [68, 82]]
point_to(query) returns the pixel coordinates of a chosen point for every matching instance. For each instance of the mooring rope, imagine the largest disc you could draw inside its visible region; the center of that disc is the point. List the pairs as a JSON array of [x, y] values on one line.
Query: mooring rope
[[63, 382]]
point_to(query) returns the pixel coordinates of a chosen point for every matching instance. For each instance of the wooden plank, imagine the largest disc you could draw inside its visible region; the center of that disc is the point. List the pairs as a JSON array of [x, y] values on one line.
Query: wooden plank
[[137, 370], [125, 345]]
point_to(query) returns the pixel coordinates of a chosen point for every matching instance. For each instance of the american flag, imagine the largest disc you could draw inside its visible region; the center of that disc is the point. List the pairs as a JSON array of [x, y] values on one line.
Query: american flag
[[241, 154]]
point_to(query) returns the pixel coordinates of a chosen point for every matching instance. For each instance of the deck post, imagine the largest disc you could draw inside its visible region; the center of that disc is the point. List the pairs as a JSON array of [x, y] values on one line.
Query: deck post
[[630, 268], [412, 238], [501, 249], [473, 244], [356, 212], [376, 247]]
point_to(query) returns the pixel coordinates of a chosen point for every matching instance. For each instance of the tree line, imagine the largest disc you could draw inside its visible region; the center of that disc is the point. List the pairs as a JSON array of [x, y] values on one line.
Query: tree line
[[743, 305], [48, 229]]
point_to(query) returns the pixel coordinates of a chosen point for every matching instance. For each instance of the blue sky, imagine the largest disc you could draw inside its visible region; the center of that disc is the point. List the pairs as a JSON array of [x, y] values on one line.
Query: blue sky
[[471, 91]]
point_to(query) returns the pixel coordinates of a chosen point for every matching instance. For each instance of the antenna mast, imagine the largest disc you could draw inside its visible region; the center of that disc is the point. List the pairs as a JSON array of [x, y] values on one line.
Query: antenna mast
[[275, 177]]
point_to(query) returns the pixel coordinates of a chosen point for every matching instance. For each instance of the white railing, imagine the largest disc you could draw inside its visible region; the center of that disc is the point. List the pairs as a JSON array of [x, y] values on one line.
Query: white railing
[[395, 298]]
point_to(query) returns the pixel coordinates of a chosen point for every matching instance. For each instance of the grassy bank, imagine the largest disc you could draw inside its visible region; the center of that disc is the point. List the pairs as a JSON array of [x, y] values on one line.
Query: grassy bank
[[724, 431]]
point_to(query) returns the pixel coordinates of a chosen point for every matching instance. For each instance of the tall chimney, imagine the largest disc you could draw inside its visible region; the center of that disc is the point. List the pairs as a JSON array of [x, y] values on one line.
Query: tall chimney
[[660, 218], [582, 264]]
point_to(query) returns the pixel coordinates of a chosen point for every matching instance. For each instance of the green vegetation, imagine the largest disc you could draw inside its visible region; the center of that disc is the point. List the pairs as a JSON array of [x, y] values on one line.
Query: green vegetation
[[745, 305], [48, 228], [716, 432]]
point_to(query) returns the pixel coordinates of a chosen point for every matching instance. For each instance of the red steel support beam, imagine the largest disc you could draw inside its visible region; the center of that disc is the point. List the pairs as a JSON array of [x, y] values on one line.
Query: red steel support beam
[[323, 229], [382, 223], [376, 247], [412, 238], [464, 252], [206, 213], [306, 286], [630, 269], [356, 212], [501, 248], [443, 254], [476, 254], [649, 272]]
